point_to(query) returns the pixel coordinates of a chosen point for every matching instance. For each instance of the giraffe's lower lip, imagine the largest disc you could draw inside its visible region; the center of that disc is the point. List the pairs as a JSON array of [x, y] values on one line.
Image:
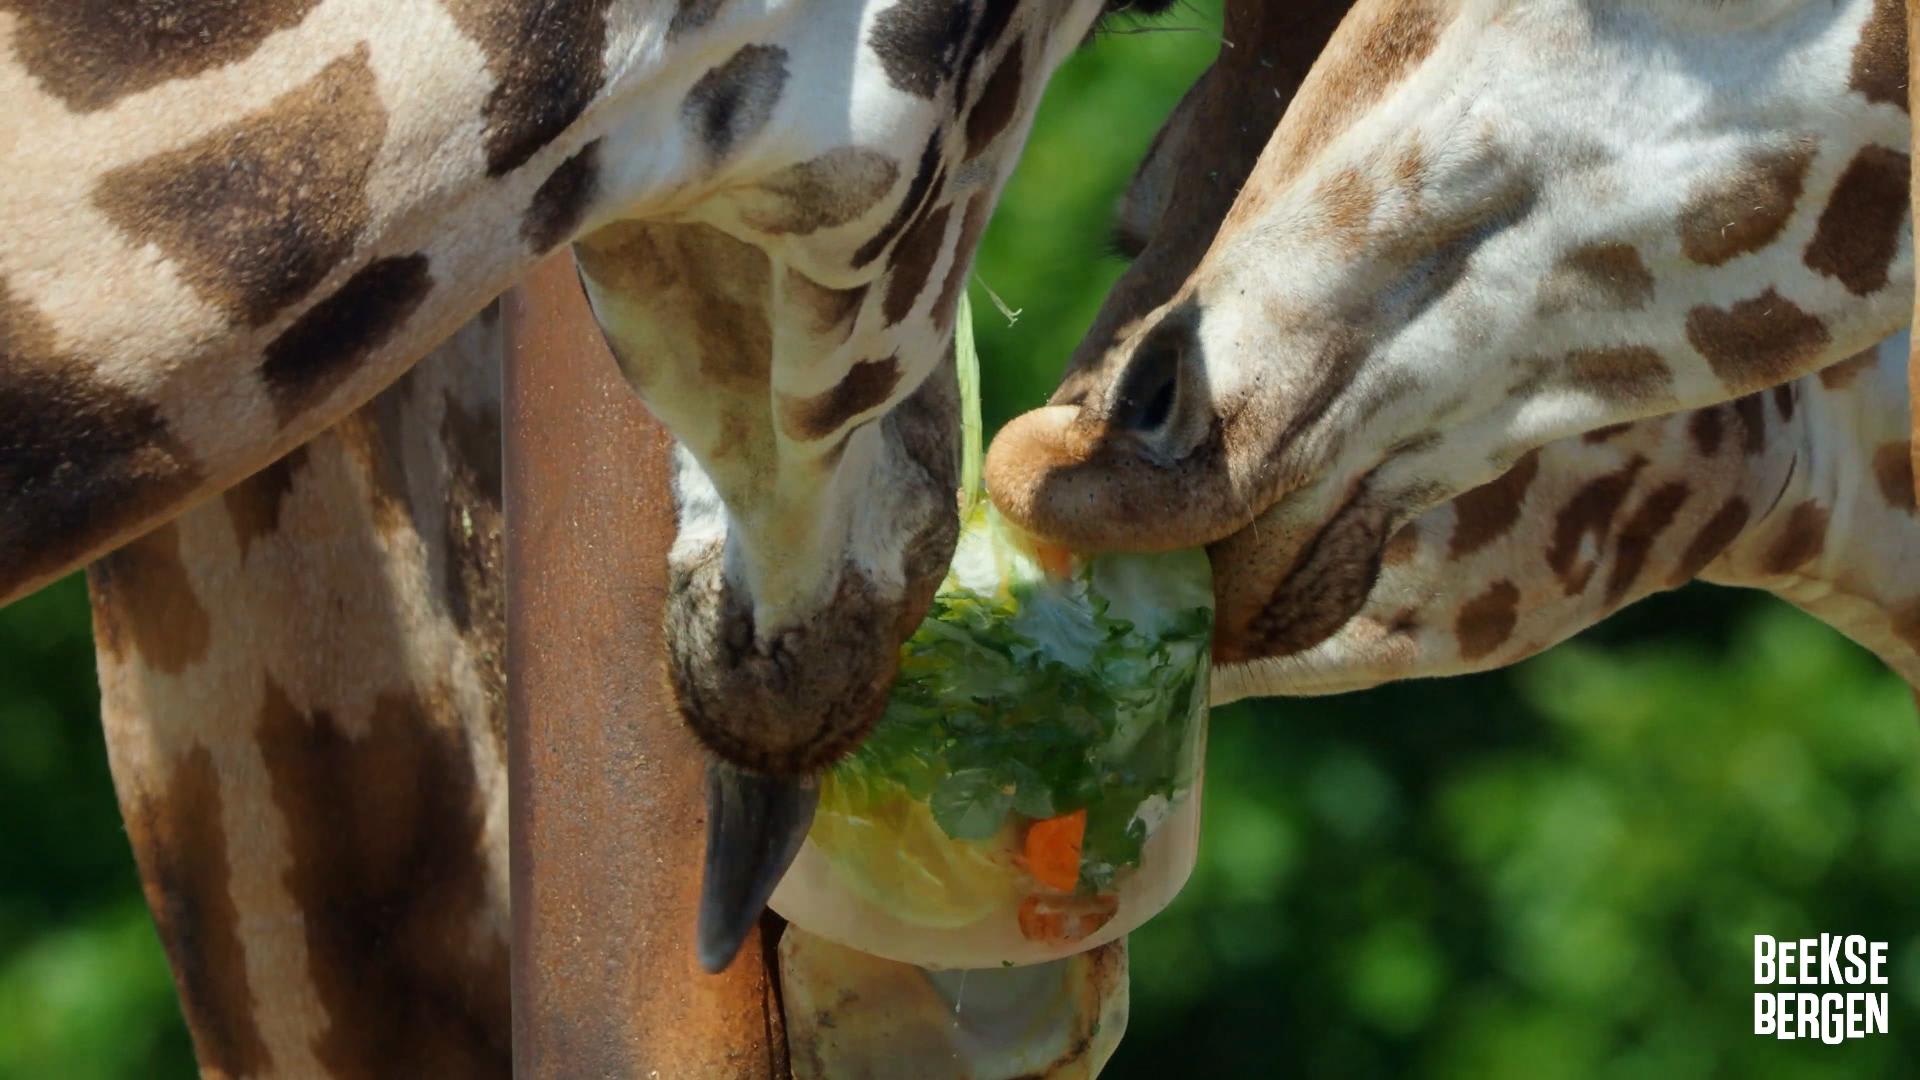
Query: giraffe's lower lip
[[1328, 578]]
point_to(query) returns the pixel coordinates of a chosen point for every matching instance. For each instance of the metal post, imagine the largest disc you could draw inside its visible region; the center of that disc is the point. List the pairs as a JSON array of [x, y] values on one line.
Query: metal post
[[606, 791]]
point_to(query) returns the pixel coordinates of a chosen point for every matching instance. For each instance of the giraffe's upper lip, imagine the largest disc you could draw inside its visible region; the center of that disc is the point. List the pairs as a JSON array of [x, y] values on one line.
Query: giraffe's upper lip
[[1092, 489]]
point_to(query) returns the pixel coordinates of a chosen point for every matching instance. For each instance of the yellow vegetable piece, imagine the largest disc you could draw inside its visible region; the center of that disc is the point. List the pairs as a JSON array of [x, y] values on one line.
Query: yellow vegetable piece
[[891, 852]]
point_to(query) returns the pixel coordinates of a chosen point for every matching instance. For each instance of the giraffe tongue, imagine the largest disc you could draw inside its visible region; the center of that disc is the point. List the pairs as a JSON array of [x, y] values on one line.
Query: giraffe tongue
[[755, 825]]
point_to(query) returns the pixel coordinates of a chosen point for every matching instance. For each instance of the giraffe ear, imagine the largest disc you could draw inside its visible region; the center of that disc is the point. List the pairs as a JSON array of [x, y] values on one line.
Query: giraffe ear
[[1913, 203]]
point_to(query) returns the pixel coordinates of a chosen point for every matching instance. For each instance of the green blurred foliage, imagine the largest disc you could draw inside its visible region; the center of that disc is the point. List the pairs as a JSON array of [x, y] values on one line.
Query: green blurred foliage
[[84, 989], [1549, 871]]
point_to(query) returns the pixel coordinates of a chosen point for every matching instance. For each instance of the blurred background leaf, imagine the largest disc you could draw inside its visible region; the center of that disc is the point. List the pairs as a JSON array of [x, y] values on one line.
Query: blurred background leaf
[[1549, 871]]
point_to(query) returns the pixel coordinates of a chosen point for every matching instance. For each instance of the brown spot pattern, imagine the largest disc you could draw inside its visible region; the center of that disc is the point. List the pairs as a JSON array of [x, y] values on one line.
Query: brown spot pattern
[[80, 459], [1880, 59], [1783, 400], [1759, 342], [549, 61], [393, 888], [152, 605], [1487, 621], [1893, 472], [179, 839], [971, 227], [1746, 209], [918, 43], [690, 15], [1865, 219], [92, 53], [706, 291], [257, 213], [927, 177], [866, 385], [1486, 513], [912, 263], [998, 103], [733, 102], [1597, 277], [1348, 201], [1590, 511], [560, 204], [324, 345], [1707, 429], [1653, 517], [1801, 540], [1752, 414], [1606, 434], [375, 437], [253, 505], [821, 193], [1626, 373], [1722, 529], [995, 17]]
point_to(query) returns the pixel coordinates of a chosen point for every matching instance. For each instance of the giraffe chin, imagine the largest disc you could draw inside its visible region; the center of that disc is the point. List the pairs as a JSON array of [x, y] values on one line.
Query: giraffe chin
[[789, 702]]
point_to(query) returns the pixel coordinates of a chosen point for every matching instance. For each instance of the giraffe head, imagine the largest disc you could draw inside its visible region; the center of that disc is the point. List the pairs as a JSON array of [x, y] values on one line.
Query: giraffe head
[[786, 308], [1478, 227]]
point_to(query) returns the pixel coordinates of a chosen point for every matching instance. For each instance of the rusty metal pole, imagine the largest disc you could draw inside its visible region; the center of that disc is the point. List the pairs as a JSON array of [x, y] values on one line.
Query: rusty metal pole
[[607, 813]]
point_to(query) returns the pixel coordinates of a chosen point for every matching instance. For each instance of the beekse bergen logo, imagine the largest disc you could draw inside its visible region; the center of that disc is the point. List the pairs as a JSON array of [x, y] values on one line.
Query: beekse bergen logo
[[1829, 960]]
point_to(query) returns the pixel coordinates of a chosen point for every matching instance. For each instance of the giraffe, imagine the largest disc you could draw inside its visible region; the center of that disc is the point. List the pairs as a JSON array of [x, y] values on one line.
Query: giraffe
[[1478, 228], [329, 880], [230, 225]]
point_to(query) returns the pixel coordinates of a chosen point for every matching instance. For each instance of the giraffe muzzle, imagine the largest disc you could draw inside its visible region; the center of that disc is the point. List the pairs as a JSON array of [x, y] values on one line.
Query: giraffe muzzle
[[1097, 488]]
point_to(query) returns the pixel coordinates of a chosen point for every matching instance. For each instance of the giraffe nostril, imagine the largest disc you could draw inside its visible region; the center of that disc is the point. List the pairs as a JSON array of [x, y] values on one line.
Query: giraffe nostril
[[1158, 407], [1145, 400]]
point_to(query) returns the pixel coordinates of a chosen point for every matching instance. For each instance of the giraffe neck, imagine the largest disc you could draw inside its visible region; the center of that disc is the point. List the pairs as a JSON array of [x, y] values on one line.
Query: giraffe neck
[[250, 224], [1802, 490], [1839, 538], [303, 695]]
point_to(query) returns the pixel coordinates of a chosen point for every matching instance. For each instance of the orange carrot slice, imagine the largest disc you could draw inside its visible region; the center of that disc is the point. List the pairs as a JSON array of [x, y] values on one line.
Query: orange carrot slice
[[1053, 850], [1064, 920]]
